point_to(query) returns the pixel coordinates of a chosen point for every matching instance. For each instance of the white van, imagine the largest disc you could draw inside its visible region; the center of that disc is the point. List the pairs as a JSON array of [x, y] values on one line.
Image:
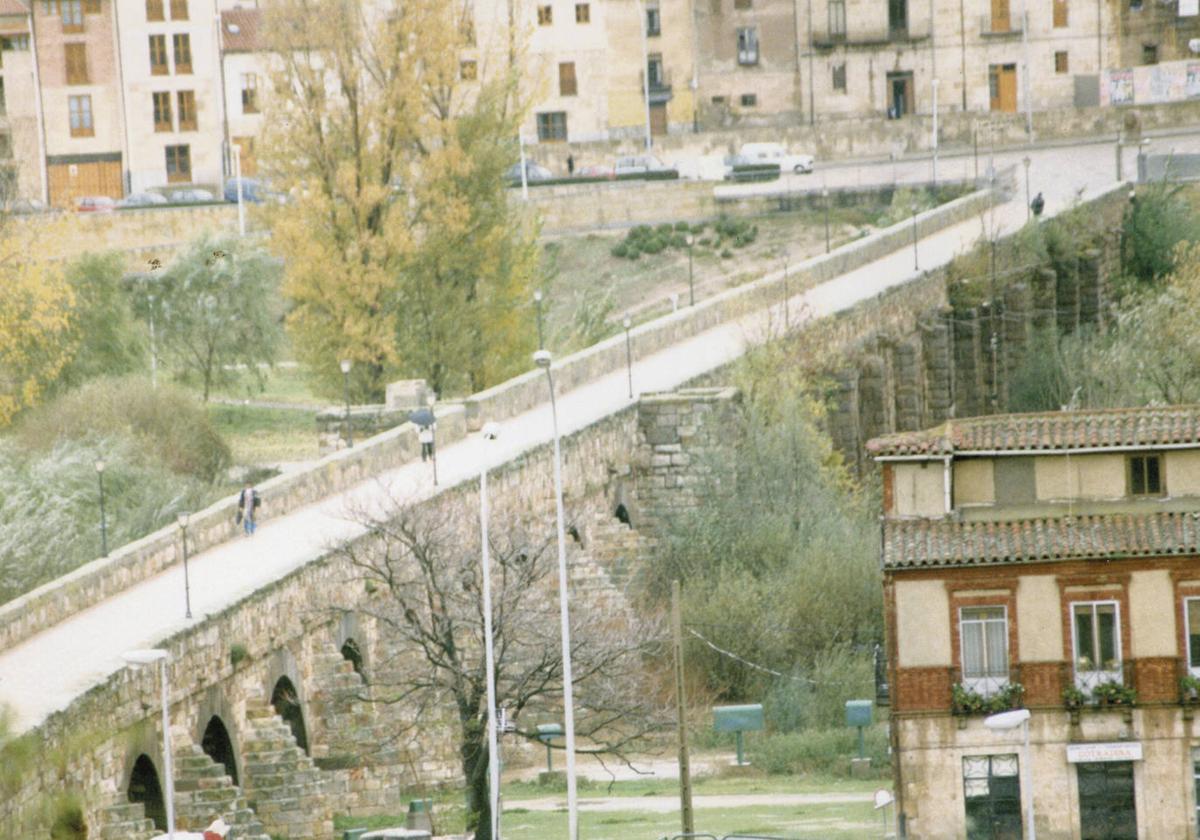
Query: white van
[[776, 153]]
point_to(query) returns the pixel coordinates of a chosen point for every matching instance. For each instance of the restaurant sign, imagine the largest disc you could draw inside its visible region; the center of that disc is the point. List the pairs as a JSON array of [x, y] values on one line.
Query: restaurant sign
[[1089, 753]]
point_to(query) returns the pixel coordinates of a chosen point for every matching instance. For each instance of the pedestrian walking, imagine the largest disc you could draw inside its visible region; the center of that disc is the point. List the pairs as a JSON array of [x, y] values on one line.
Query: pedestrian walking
[[248, 504], [1037, 205], [425, 435], [570, 164]]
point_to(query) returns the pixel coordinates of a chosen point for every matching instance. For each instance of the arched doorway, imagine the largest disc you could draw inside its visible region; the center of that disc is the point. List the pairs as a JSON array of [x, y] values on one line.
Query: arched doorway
[[622, 515], [218, 746], [286, 701], [144, 788], [353, 654]]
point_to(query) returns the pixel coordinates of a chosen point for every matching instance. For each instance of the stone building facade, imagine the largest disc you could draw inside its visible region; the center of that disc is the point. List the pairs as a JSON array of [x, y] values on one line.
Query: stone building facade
[[1045, 562]]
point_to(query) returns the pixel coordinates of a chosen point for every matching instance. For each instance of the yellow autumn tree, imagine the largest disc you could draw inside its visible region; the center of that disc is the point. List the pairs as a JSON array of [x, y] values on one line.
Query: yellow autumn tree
[[402, 252], [35, 320]]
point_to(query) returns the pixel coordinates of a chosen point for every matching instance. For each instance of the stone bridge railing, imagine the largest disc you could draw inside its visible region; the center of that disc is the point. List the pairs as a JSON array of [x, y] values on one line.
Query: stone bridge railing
[[90, 584]]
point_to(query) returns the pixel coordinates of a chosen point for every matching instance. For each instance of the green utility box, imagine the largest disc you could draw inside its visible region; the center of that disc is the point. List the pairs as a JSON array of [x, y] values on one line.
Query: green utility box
[[738, 719], [859, 713], [546, 733]]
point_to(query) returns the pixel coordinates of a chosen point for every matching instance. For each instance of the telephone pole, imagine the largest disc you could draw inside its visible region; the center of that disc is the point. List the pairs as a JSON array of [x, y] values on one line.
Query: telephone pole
[[685, 776]]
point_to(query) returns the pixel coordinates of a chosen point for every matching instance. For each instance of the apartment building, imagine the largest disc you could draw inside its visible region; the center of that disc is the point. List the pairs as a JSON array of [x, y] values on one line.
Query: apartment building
[[170, 69], [78, 76], [20, 125], [1046, 562], [245, 72]]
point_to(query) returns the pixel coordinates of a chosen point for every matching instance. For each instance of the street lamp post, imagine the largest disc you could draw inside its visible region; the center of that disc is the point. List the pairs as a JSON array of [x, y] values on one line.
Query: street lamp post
[[345, 365], [1028, 210], [627, 323], [691, 240], [103, 523], [431, 401], [490, 432], [825, 201], [1003, 722], [543, 360], [537, 301], [137, 659], [916, 261], [187, 588]]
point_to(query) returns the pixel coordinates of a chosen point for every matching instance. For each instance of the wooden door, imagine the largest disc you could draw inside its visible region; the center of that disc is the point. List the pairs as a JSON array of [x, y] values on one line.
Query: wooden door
[[1002, 83], [69, 181], [658, 119]]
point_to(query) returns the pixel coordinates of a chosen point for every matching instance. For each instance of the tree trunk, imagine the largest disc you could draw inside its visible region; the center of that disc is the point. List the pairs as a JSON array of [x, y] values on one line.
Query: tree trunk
[[474, 756]]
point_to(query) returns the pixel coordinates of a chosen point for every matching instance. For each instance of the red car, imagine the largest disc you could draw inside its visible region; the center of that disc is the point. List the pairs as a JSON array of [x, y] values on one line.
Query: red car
[[95, 204]]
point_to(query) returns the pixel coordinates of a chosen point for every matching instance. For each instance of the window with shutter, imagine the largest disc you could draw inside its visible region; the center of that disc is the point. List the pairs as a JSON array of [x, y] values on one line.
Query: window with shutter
[[1060, 14], [91, 7], [80, 108], [183, 53], [566, 79], [77, 67], [187, 110], [158, 55], [154, 10], [179, 164], [249, 93], [72, 15], [179, 10], [162, 111]]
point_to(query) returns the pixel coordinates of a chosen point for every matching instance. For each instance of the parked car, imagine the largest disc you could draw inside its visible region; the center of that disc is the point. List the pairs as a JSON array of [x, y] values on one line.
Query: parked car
[[777, 153], [595, 170], [742, 168], [254, 191], [533, 172], [95, 204], [191, 196], [639, 165], [142, 199]]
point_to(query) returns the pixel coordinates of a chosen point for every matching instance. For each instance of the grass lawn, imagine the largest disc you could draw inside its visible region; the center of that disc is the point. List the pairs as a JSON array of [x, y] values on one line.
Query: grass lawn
[[282, 384], [259, 435], [839, 821]]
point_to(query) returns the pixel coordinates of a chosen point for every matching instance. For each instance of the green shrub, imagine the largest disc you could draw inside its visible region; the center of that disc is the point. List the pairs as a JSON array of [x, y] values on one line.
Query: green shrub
[[50, 507], [682, 227], [237, 653], [664, 230], [726, 254], [1154, 225], [654, 245], [69, 822], [108, 340], [166, 425], [620, 251], [823, 751]]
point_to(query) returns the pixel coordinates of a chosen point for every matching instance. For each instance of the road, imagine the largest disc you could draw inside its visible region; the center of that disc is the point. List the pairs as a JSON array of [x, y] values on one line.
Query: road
[[46, 672]]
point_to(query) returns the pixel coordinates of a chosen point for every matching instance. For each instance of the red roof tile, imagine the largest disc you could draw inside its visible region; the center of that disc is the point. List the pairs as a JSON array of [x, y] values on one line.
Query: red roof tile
[[241, 30], [918, 543], [1074, 430]]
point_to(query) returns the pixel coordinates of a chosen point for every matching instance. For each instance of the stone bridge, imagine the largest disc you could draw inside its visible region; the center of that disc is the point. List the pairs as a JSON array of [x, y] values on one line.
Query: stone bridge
[[265, 721]]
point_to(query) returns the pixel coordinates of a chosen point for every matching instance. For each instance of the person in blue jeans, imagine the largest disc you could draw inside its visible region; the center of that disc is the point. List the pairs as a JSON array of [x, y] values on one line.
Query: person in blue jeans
[[248, 503]]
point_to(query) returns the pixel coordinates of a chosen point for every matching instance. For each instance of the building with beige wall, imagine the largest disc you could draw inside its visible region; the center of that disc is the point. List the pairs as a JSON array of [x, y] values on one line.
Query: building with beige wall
[[80, 98], [170, 70], [1046, 562], [245, 73], [20, 120]]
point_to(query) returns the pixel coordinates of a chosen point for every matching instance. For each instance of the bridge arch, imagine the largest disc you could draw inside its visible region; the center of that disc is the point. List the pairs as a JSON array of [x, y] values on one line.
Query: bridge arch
[[286, 701], [218, 746], [144, 788]]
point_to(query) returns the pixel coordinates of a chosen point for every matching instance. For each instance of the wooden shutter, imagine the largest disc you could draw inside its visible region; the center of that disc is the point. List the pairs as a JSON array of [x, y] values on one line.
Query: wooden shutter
[[187, 110], [77, 69], [566, 79], [1060, 14]]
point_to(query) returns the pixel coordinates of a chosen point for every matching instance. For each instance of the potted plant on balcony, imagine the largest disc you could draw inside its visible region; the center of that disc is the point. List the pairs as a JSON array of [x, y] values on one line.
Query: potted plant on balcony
[[1073, 698], [1115, 695], [1189, 690], [964, 701]]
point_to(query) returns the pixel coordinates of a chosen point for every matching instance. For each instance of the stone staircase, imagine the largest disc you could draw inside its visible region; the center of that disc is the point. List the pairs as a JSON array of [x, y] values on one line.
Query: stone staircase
[[616, 547], [355, 734], [284, 788], [125, 821], [204, 791]]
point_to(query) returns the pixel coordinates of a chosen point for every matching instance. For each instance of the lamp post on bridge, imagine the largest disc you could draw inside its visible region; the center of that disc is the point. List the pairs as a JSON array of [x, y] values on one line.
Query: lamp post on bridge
[[537, 302], [346, 364], [187, 589], [491, 431], [627, 323], [100, 465], [543, 359]]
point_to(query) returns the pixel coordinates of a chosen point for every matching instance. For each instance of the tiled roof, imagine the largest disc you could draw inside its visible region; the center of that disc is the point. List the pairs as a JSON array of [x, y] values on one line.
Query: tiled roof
[[917, 543], [12, 7], [241, 30], [1149, 427]]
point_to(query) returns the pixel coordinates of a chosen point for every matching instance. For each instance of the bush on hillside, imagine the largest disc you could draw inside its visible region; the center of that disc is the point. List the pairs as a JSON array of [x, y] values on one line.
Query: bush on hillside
[[107, 339], [164, 426], [50, 505], [819, 751], [1155, 224]]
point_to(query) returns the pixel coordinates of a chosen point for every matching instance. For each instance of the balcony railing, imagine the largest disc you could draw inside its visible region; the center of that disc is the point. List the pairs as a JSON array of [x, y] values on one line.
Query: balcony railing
[[985, 694], [660, 86], [1109, 686], [859, 35]]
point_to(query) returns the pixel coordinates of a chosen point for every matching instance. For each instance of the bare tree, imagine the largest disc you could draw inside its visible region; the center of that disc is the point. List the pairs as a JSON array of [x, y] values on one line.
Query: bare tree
[[423, 563]]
